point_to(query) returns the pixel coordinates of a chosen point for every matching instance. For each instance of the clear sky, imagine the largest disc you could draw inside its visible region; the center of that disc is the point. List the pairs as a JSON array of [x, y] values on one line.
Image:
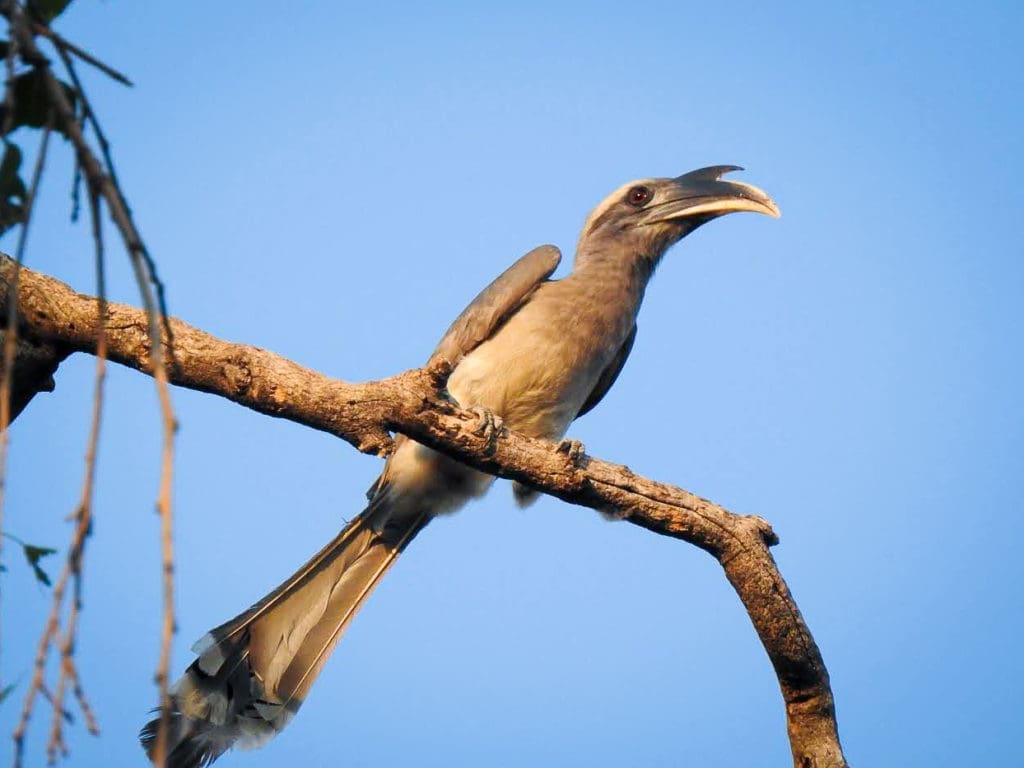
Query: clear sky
[[335, 181]]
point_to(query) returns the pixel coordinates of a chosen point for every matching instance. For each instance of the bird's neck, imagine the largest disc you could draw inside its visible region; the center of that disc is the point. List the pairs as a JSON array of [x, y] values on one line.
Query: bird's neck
[[615, 275]]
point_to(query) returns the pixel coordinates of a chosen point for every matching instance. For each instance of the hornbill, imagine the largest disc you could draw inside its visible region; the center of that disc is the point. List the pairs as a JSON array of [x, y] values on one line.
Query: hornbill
[[533, 352]]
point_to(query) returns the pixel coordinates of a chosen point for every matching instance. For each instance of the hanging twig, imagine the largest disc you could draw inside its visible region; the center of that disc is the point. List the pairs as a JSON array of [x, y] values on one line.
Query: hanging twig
[[46, 694], [7, 375], [9, 95], [63, 44], [89, 115], [104, 183], [68, 674], [50, 632], [10, 336]]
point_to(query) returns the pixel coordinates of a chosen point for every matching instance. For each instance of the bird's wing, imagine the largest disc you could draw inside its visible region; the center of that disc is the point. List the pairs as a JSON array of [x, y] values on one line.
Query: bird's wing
[[609, 374], [495, 303], [485, 314]]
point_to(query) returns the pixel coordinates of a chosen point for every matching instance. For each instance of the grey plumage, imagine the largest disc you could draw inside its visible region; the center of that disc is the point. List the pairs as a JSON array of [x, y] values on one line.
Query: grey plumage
[[537, 352]]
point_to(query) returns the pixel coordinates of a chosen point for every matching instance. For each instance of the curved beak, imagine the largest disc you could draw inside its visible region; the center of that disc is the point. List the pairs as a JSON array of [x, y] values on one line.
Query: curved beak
[[704, 195]]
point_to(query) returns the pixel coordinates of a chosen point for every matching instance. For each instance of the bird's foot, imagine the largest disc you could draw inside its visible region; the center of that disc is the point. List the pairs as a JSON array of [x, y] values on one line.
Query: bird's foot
[[572, 448], [488, 424]]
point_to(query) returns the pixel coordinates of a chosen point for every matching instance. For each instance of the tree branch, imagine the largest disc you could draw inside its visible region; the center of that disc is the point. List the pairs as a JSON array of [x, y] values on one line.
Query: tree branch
[[413, 403]]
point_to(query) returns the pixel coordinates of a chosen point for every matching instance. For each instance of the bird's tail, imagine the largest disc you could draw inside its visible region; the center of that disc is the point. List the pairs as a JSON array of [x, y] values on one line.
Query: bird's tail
[[254, 671]]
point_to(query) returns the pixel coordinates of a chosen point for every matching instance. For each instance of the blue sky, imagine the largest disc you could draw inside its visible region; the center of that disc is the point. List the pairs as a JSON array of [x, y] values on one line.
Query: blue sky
[[335, 182]]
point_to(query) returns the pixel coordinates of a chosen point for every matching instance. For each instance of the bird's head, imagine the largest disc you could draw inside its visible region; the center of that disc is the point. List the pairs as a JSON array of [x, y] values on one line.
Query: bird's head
[[650, 215]]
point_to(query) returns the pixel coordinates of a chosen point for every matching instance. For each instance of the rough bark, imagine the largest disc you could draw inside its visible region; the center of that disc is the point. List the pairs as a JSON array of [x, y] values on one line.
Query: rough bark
[[413, 403]]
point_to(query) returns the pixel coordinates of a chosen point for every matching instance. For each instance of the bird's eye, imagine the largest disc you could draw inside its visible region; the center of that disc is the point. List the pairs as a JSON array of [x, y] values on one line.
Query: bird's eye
[[639, 196]]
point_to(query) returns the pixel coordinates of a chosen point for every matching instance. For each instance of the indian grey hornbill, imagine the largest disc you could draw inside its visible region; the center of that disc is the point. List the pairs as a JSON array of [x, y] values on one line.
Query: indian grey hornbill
[[534, 352]]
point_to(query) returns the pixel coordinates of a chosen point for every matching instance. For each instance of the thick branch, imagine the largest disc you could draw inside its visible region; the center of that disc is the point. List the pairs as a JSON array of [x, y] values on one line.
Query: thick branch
[[413, 403]]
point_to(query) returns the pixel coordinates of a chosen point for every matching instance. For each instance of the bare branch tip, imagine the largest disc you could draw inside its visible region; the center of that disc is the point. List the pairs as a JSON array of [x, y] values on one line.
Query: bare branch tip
[[376, 444], [768, 534], [438, 372]]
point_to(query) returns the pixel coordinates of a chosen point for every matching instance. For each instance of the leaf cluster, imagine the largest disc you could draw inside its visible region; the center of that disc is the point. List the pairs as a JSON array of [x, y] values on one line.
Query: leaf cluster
[[33, 554], [26, 104]]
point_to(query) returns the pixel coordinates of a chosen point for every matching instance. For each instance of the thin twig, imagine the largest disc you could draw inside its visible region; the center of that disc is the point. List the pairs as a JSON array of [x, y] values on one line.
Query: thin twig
[[76, 180], [88, 484], [167, 558], [56, 746], [146, 275], [50, 633], [89, 115], [106, 185], [12, 319], [12, 52], [12, 309], [42, 653], [76, 192], [7, 376], [12, 306], [62, 43], [44, 691], [83, 513], [91, 724], [105, 182]]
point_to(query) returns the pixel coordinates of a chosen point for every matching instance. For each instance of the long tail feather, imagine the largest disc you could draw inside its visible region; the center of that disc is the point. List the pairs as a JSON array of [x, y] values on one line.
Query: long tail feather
[[254, 672]]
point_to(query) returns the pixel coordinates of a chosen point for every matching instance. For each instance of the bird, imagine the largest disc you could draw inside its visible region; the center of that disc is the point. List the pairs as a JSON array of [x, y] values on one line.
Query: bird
[[531, 354]]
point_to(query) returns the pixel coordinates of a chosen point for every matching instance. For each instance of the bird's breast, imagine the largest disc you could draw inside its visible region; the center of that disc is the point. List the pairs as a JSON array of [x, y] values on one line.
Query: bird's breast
[[539, 368]]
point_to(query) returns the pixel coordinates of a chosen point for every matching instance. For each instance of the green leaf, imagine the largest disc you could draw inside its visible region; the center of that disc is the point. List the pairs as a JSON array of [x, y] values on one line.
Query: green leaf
[[32, 102], [34, 554], [4, 47], [9, 165], [48, 10], [6, 691], [12, 189], [10, 216]]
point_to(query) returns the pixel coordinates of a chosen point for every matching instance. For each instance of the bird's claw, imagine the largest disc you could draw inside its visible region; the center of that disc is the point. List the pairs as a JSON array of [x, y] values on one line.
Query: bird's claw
[[572, 448], [488, 424]]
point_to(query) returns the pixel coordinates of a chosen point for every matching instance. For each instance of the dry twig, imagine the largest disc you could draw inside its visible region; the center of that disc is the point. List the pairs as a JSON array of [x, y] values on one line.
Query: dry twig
[[11, 330], [63, 45], [68, 673], [103, 183]]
